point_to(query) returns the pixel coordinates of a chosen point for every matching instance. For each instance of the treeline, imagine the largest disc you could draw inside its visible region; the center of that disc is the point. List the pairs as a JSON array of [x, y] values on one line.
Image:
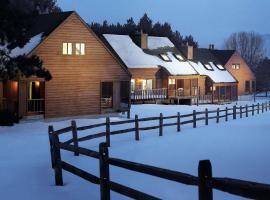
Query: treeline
[[146, 25]]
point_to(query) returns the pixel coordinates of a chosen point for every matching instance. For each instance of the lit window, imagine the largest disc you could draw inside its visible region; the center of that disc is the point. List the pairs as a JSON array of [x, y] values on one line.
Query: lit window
[[67, 48], [235, 66], [179, 57], [208, 67], [171, 81], [80, 49], [165, 57], [220, 67], [132, 84], [149, 84]]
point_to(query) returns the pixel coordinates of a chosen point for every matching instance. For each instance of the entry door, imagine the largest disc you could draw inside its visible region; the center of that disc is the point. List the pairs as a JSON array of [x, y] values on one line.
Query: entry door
[[106, 95]]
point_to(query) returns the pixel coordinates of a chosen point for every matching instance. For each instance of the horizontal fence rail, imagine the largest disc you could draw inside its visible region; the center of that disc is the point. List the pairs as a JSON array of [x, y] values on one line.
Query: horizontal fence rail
[[205, 182]]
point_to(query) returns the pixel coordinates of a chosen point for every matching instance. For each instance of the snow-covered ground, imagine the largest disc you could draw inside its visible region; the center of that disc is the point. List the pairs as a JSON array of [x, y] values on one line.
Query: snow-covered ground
[[237, 149]]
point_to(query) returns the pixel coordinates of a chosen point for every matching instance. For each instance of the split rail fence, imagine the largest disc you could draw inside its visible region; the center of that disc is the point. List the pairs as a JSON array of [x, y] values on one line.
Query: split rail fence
[[205, 181]]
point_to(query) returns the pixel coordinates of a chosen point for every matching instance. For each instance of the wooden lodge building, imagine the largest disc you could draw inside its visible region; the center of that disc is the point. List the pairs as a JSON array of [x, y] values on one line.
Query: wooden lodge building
[[87, 77], [189, 75], [94, 75]]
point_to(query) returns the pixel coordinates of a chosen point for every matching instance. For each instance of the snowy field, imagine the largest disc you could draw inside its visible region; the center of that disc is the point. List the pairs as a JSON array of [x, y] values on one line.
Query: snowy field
[[237, 149]]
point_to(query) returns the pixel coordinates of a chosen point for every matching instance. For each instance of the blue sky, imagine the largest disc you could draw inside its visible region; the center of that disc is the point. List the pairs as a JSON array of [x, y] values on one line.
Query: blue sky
[[209, 21]]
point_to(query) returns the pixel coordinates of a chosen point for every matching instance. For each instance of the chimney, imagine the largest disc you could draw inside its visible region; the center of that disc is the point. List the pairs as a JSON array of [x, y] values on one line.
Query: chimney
[[140, 39], [144, 40], [189, 52], [211, 46]]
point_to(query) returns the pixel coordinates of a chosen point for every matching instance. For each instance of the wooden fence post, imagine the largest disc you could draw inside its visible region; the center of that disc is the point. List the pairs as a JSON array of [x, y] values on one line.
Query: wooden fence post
[[57, 161], [178, 122], [217, 115], [206, 116], [234, 112], [194, 119], [160, 124], [266, 106], [258, 108], [262, 108], [252, 109], [241, 113], [137, 136], [75, 137], [226, 114], [50, 132], [108, 139], [246, 110], [205, 177], [104, 172], [128, 113]]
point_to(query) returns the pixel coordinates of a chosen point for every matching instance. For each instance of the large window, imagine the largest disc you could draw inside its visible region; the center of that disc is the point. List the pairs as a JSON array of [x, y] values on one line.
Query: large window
[[132, 84], [236, 66], [171, 81], [80, 48], [146, 84], [67, 48]]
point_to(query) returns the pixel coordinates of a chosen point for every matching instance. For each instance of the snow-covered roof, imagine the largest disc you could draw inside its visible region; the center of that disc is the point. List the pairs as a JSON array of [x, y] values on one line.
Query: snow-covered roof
[[134, 57], [28, 47], [159, 42], [217, 75]]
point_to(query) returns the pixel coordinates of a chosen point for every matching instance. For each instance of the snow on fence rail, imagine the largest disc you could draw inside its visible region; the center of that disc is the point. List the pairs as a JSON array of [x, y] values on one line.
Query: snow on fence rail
[[205, 182]]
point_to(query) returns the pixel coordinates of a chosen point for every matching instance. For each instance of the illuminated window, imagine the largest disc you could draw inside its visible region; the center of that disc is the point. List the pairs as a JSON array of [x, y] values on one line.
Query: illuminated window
[[235, 66], [80, 48], [67, 48], [165, 57], [179, 57], [132, 84], [171, 81], [208, 67]]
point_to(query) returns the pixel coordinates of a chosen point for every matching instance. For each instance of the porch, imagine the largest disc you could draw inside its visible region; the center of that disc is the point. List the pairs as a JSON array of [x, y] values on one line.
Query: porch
[[23, 98]]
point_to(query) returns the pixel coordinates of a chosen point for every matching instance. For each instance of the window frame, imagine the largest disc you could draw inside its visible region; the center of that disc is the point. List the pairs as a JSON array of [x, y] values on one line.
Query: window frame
[[220, 67], [163, 56], [236, 66], [176, 55], [172, 81], [208, 64], [68, 51], [81, 50]]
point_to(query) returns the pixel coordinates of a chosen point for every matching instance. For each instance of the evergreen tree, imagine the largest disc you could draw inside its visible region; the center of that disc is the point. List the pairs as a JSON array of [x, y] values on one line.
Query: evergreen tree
[[14, 26], [147, 26]]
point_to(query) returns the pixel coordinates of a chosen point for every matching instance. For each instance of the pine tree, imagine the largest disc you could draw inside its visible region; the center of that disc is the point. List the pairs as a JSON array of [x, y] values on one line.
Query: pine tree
[[14, 26]]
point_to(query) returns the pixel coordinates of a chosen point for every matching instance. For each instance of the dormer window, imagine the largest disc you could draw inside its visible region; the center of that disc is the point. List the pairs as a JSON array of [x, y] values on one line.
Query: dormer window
[[179, 57], [67, 48], [80, 48], [220, 67], [208, 67], [165, 57]]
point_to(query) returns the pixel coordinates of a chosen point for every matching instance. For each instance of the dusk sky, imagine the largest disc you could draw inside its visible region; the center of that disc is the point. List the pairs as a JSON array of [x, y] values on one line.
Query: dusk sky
[[209, 21]]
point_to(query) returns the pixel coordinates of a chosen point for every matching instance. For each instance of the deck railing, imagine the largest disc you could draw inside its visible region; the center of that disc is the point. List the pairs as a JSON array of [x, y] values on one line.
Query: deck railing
[[152, 94], [35, 105]]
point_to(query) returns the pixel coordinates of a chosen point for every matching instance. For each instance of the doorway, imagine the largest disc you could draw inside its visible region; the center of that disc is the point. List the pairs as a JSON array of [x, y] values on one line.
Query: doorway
[[106, 95]]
